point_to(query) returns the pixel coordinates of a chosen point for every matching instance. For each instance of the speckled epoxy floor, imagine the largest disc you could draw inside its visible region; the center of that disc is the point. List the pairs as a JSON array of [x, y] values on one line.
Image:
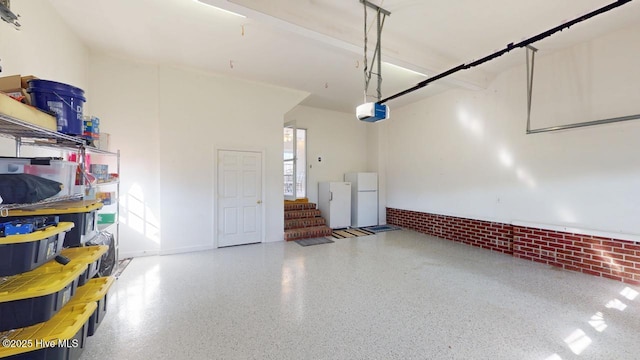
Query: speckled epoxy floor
[[394, 295]]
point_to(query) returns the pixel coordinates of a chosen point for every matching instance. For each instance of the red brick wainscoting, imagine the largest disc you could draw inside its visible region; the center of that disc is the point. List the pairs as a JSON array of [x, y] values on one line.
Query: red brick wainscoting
[[607, 257]]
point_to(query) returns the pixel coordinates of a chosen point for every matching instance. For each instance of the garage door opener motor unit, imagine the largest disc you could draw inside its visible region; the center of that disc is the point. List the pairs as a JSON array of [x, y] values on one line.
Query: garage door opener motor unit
[[373, 111]]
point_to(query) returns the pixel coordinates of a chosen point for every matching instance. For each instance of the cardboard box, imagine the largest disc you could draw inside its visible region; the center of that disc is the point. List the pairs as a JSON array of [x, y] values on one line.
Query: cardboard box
[[91, 128], [16, 86], [100, 171], [11, 85], [107, 198], [103, 143], [24, 81], [10, 107]]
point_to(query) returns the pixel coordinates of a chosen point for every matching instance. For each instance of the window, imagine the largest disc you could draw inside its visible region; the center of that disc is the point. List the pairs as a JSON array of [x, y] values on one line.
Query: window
[[295, 163]]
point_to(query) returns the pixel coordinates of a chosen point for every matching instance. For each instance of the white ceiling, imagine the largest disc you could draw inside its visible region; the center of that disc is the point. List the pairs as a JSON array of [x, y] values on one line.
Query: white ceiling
[[317, 45]]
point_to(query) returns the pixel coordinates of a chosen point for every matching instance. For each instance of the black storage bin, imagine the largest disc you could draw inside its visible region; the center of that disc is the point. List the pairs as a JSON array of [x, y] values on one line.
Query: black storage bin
[[51, 340], [86, 225], [22, 253], [82, 213], [90, 255], [96, 290], [36, 296]]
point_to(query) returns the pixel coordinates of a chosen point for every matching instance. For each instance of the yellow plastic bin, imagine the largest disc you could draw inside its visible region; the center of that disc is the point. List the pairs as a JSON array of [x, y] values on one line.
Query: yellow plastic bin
[[90, 255], [62, 337], [95, 290], [22, 253], [82, 213], [36, 296]]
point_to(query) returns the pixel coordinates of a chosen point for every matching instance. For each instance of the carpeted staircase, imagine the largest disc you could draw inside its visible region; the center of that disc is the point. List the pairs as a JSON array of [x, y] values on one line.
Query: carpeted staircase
[[303, 221]]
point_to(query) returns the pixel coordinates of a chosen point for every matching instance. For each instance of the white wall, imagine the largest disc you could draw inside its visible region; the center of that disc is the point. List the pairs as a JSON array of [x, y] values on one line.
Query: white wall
[[338, 138], [168, 123], [125, 98], [599, 77], [200, 113], [466, 154], [44, 47]]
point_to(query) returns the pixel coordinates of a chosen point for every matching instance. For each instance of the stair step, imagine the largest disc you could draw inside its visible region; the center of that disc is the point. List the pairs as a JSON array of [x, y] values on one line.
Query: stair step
[[303, 222], [298, 206], [297, 214], [307, 233]]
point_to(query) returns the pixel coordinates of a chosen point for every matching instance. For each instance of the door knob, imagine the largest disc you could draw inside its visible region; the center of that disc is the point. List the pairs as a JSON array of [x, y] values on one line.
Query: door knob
[[259, 202]]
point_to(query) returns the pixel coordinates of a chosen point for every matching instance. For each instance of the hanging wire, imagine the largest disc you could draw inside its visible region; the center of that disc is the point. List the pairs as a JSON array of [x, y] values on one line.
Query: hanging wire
[[367, 77], [367, 73], [372, 22], [379, 53]]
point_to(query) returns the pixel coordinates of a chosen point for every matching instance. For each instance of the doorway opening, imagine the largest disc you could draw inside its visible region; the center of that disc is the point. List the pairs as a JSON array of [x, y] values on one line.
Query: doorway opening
[[295, 162]]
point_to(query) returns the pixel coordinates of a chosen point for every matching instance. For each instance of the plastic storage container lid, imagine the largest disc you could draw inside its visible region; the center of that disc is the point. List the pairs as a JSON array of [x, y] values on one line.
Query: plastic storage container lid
[[37, 235], [93, 290], [85, 255], [72, 207], [41, 85], [44, 280], [63, 326]]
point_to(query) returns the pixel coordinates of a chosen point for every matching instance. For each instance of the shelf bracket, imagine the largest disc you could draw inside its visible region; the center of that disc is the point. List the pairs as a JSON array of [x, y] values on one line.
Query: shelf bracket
[[531, 57]]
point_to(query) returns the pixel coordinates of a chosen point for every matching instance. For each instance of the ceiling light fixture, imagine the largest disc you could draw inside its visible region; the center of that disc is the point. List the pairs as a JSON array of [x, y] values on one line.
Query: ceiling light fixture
[[221, 9], [404, 68]]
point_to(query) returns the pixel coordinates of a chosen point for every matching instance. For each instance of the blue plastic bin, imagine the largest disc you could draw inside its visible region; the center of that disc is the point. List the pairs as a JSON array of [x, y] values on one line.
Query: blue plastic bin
[[64, 100]]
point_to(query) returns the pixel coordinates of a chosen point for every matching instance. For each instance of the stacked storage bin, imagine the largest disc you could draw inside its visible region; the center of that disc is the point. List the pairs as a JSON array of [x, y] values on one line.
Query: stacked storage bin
[[49, 299], [54, 169], [82, 213]]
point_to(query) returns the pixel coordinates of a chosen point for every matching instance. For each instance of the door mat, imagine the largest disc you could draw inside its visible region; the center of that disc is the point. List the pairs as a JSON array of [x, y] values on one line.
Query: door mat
[[349, 233], [381, 228], [122, 264], [314, 241]]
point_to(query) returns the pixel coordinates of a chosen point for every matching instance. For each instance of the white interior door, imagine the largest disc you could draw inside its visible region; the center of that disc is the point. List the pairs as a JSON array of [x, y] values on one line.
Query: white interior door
[[239, 197]]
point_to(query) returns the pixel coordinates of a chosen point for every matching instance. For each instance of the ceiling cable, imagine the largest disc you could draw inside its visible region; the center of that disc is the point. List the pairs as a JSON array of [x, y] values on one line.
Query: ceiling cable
[[508, 48], [366, 64]]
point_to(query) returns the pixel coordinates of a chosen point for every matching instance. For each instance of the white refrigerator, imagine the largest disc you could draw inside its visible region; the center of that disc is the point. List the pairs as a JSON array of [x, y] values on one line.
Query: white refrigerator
[[364, 198], [334, 201]]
